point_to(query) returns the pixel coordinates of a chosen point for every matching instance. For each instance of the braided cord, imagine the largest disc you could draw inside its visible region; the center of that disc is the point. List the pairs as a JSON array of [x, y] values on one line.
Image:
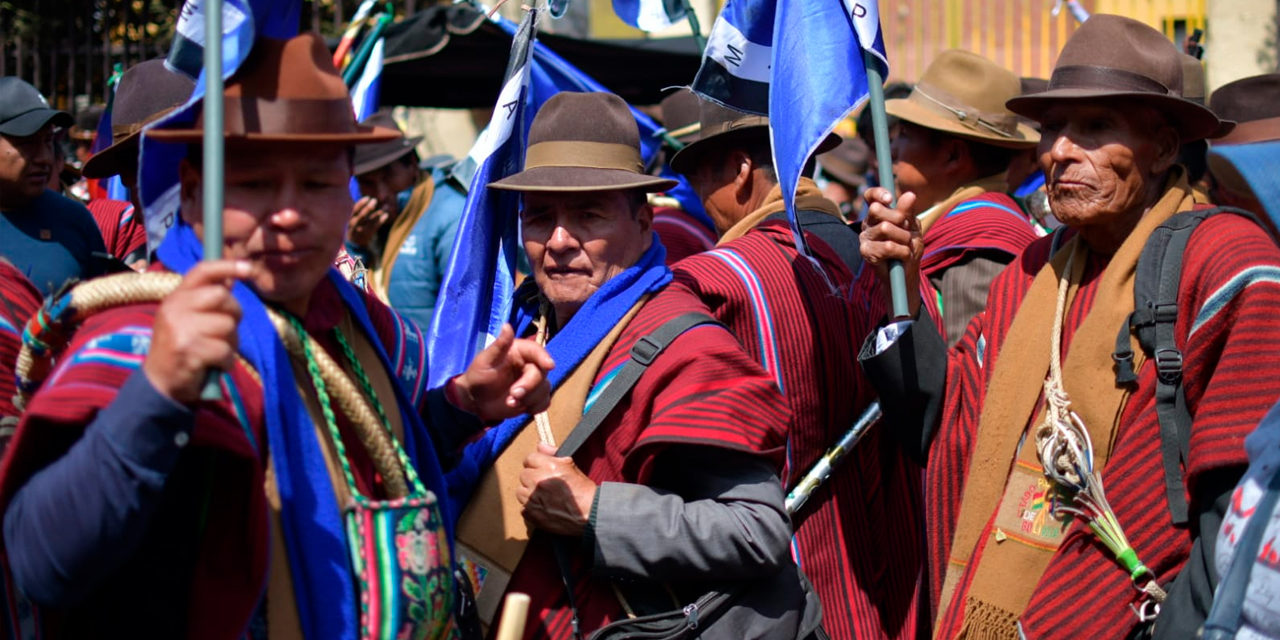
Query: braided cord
[[366, 385], [322, 392]]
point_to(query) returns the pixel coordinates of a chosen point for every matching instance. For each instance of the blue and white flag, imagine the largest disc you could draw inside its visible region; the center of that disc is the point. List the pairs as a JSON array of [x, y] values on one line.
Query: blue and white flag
[[103, 138], [475, 298], [242, 21], [650, 15], [365, 95], [801, 63]]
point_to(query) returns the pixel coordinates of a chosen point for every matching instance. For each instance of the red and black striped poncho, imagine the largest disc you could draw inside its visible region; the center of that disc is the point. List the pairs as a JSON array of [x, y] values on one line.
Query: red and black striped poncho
[[858, 539], [122, 230], [1228, 335], [702, 390], [232, 558], [19, 300]]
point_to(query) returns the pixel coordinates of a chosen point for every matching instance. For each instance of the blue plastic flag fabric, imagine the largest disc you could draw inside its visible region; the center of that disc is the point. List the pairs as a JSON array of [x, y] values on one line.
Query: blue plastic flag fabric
[[799, 61], [103, 138], [475, 298], [650, 15], [242, 21]]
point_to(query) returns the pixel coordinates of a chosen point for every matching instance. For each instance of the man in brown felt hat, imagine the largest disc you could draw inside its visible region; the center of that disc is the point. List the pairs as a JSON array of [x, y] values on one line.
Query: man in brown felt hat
[[405, 224], [147, 92], [952, 148], [199, 518], [796, 315], [1194, 154], [1161, 430], [683, 233], [1254, 104], [696, 445]]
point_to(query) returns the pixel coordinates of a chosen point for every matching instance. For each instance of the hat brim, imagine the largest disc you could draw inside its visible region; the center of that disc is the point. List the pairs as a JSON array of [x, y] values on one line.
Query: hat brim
[[362, 135], [1194, 122], [575, 179], [31, 122], [373, 164], [915, 113], [686, 160], [110, 161]]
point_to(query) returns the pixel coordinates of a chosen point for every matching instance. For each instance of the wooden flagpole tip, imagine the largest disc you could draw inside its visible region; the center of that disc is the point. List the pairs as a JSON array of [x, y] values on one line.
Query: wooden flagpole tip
[[514, 613]]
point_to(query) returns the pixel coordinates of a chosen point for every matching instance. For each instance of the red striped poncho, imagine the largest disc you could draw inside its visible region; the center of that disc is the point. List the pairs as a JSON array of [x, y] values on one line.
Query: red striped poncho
[[1227, 332], [19, 300], [122, 230], [682, 234], [232, 563], [859, 537], [988, 222], [703, 390]]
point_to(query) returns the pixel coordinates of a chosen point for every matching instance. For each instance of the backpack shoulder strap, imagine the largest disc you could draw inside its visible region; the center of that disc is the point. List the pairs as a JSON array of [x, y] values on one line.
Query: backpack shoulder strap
[[1154, 318], [643, 353]]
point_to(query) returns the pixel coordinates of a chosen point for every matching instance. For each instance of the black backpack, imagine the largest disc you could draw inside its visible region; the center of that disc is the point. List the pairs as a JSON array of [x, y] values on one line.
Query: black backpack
[[1155, 311]]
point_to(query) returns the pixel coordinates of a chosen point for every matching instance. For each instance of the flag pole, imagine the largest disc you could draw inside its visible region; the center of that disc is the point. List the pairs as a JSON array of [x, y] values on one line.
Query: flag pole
[[694, 25], [213, 152], [884, 167]]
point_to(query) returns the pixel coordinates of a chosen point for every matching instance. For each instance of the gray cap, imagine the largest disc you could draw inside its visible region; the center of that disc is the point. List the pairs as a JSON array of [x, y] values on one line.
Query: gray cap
[[23, 111]]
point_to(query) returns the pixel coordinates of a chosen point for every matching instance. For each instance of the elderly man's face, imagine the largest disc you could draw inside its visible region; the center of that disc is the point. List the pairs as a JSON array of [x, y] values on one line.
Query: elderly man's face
[[286, 208], [576, 242], [1103, 162], [26, 166]]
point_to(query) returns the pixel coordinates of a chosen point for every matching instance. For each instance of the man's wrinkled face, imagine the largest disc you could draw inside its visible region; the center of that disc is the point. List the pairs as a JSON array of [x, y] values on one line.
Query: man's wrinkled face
[[26, 166], [576, 242], [385, 183], [286, 210], [1100, 161]]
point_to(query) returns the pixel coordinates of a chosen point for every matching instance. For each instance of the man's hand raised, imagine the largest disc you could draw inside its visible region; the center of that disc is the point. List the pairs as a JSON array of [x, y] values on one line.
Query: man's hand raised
[[507, 379], [195, 330], [893, 234]]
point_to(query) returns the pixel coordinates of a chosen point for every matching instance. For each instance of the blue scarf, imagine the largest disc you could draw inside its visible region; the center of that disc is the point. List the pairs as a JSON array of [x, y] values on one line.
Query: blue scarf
[[314, 531], [569, 347]]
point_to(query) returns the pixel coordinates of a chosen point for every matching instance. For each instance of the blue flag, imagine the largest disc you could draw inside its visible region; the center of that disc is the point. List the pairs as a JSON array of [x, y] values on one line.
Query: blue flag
[[650, 15], [365, 94], [475, 298], [803, 63], [242, 21]]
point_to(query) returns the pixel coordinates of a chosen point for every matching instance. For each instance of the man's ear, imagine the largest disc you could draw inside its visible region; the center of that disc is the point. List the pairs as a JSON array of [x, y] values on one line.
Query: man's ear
[[741, 167], [189, 196], [1167, 144], [644, 216]]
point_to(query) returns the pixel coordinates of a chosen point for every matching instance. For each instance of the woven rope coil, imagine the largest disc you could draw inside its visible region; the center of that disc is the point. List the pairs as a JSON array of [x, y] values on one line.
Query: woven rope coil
[[47, 337]]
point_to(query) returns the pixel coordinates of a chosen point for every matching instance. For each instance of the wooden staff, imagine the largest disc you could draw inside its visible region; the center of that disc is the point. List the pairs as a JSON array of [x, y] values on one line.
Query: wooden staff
[[514, 613]]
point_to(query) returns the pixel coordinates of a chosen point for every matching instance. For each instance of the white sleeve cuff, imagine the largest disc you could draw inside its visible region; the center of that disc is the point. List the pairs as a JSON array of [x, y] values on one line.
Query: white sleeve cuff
[[889, 334]]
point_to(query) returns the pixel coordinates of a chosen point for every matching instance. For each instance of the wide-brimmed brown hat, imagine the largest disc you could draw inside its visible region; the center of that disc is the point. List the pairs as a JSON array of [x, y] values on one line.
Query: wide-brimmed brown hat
[[1112, 57], [847, 163], [963, 94], [286, 91], [87, 123], [147, 92], [680, 116], [1194, 87], [583, 142], [371, 157], [721, 126], [1254, 104]]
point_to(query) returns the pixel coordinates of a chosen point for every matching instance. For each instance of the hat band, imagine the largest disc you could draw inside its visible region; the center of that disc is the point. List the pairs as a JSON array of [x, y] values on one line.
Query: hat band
[[1105, 78], [284, 116], [685, 130], [938, 100], [582, 154], [121, 131], [1252, 131]]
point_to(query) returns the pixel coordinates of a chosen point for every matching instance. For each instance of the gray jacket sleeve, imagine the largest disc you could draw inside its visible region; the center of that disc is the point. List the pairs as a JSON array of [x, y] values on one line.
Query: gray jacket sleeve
[[964, 288], [709, 513]]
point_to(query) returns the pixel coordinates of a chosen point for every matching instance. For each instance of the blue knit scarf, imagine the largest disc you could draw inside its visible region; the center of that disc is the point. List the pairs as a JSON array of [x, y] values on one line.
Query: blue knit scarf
[[313, 526], [569, 347]]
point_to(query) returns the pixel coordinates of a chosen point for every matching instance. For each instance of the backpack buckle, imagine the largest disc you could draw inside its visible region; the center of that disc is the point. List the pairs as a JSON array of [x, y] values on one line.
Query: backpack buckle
[[1168, 365], [645, 350], [1165, 312]]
